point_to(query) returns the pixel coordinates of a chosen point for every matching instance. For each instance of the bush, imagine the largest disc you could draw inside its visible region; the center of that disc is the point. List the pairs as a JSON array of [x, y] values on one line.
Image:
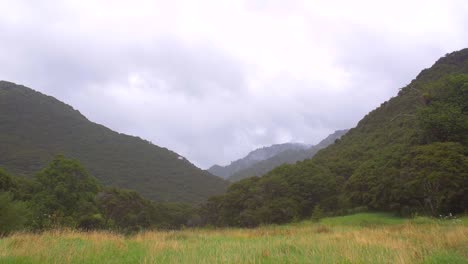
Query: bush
[[13, 214], [91, 222], [317, 214]]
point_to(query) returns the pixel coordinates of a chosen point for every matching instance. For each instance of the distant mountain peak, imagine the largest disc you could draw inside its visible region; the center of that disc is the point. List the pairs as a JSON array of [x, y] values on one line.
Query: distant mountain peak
[[267, 152], [254, 157], [293, 150]]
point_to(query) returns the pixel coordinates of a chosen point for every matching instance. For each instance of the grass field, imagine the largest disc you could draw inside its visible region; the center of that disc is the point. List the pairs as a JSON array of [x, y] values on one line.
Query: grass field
[[360, 238]]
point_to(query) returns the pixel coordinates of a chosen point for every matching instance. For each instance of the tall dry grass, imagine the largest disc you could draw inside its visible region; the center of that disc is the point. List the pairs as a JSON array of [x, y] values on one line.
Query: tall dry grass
[[307, 242]]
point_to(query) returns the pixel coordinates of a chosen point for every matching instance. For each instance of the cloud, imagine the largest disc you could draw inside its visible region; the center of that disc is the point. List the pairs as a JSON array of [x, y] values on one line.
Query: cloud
[[213, 80]]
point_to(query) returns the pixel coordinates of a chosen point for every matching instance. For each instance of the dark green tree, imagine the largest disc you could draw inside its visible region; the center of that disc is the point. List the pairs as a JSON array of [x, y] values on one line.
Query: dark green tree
[[128, 211], [13, 214], [65, 194], [438, 177], [317, 213], [124, 210], [6, 182], [445, 116]]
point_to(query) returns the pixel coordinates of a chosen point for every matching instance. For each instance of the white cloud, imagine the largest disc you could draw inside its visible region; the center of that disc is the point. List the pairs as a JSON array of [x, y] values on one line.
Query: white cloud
[[214, 79]]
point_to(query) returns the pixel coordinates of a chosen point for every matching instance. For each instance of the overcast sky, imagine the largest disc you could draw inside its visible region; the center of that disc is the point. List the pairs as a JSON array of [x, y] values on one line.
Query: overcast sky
[[212, 79]]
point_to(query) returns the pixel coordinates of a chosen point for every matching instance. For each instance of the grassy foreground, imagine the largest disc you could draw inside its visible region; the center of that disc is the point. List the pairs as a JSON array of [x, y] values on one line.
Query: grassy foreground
[[360, 238]]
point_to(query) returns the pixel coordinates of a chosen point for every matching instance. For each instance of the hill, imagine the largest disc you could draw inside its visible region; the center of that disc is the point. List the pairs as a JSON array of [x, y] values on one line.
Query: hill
[[254, 157], [288, 156], [35, 127], [407, 156]]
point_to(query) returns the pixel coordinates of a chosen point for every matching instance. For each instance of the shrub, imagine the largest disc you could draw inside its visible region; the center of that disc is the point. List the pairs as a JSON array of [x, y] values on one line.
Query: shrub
[[317, 214], [13, 214]]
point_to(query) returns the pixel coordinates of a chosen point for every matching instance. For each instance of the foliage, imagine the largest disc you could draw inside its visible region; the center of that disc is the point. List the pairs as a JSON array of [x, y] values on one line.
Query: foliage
[[13, 214], [6, 181], [437, 175], [63, 194], [282, 196], [317, 213], [445, 118], [128, 211]]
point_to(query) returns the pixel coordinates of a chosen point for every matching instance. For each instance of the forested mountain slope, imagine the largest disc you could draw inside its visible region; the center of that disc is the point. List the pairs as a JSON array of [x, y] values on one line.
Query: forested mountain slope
[[408, 156], [289, 156], [35, 127], [254, 157]]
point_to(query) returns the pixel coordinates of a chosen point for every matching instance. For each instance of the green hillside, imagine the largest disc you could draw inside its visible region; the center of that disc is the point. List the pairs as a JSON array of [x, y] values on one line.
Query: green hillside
[[34, 128], [408, 156], [289, 156]]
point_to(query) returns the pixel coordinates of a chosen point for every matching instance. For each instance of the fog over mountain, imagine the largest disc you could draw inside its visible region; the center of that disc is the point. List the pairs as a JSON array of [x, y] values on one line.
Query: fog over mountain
[[289, 155], [212, 80], [255, 157]]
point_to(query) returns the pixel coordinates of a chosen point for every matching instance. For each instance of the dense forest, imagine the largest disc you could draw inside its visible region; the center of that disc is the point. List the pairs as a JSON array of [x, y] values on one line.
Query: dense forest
[[64, 194], [409, 156], [35, 128]]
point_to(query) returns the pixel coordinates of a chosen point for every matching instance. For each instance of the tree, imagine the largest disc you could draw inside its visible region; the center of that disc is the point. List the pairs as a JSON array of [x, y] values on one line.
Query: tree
[[13, 214], [20, 188], [443, 122], [438, 176], [124, 210], [66, 193], [317, 213], [128, 211], [445, 117], [6, 181]]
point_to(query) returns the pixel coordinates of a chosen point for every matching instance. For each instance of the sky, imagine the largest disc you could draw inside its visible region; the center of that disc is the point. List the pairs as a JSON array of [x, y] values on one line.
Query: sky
[[213, 80]]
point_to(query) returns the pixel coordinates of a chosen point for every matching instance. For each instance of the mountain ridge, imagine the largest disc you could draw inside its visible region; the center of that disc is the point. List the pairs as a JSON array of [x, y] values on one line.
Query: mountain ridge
[[253, 157], [36, 127], [288, 156]]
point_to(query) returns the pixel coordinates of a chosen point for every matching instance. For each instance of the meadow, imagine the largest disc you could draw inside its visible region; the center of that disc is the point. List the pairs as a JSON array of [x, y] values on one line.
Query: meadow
[[359, 238]]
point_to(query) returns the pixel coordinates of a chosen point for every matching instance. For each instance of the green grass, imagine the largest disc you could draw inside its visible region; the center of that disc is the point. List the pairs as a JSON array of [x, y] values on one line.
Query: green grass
[[364, 219], [360, 238]]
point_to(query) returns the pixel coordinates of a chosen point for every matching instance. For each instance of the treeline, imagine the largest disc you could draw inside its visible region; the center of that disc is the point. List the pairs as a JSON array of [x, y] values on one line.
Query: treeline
[[409, 156], [64, 195]]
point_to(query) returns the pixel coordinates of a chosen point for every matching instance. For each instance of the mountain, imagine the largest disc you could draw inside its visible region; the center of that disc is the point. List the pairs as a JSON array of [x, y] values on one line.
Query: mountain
[[34, 128], [331, 139], [288, 156], [409, 156], [253, 158]]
